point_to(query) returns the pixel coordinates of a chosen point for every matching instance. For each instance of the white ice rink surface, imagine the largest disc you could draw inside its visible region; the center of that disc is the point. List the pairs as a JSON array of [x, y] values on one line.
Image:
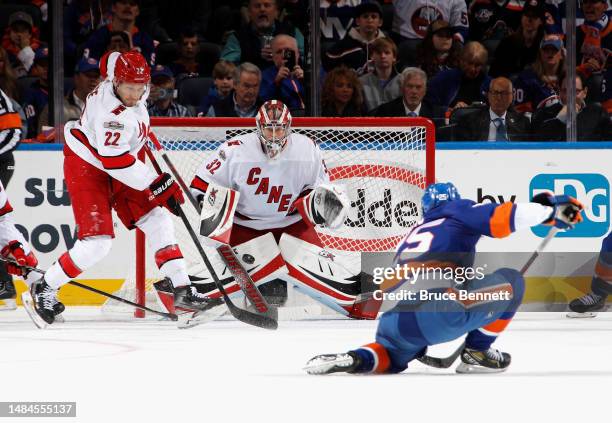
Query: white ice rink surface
[[226, 371]]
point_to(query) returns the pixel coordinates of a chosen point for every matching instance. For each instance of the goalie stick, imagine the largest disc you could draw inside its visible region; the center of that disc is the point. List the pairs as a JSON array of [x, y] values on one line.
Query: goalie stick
[[170, 316], [266, 316], [446, 362]]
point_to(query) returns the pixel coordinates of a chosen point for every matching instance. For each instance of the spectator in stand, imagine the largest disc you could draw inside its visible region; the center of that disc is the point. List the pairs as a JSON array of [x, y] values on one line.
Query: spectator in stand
[[161, 100], [464, 86], [439, 50], [119, 41], [411, 102], [252, 42], [8, 79], [342, 94], [520, 49], [81, 19], [187, 63], [411, 18], [86, 79], [20, 40], [592, 120], [124, 17], [383, 83], [36, 96], [538, 86], [165, 19], [498, 122], [353, 51], [494, 20], [244, 100], [223, 76], [283, 80], [337, 18], [593, 45]]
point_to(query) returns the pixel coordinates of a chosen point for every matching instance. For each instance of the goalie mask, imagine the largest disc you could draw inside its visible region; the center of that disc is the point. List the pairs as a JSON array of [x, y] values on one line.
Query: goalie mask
[[273, 127]]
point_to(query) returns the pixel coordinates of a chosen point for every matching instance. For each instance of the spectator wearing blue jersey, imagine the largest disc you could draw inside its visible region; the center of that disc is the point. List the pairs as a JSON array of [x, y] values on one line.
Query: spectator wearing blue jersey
[[538, 85], [124, 14], [454, 88]]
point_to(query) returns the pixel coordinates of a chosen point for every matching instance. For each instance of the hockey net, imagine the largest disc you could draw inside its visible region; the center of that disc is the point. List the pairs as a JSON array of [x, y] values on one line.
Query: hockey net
[[385, 163]]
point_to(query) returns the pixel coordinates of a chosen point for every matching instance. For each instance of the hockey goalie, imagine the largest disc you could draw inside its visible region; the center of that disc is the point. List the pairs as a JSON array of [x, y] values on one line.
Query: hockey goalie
[[264, 193]]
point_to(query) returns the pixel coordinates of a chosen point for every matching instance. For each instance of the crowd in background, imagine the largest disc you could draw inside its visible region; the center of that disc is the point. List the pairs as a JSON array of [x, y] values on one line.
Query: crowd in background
[[483, 70]]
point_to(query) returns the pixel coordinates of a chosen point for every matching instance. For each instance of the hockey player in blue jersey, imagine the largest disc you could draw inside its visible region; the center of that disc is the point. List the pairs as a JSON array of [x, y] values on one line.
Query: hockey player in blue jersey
[[451, 228], [601, 285]]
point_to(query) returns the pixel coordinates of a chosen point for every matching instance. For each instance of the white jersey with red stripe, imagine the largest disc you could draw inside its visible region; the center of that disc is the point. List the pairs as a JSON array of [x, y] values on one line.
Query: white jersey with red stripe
[[268, 188], [8, 231], [109, 135]]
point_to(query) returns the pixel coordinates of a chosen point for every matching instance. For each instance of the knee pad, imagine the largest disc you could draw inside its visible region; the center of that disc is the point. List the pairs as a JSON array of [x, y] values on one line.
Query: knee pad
[[88, 251], [158, 227]]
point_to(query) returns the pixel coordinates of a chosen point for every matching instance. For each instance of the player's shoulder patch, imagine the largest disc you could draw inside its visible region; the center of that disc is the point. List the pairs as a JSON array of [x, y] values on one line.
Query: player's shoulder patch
[[117, 110]]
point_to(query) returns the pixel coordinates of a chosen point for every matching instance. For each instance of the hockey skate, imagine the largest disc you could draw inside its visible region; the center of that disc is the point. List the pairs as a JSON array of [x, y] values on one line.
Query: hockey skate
[[41, 303], [587, 306], [185, 299], [488, 361], [7, 295], [332, 363]]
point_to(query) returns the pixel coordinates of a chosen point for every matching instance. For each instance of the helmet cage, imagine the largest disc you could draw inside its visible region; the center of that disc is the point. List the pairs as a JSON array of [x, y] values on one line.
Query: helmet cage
[[273, 127]]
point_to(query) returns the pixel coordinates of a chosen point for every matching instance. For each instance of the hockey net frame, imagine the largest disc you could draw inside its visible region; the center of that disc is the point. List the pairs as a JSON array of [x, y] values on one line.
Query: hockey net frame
[[420, 128]]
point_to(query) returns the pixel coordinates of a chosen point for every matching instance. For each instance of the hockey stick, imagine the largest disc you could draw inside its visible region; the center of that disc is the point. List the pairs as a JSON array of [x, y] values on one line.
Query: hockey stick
[[267, 317], [241, 276], [446, 362], [171, 316]]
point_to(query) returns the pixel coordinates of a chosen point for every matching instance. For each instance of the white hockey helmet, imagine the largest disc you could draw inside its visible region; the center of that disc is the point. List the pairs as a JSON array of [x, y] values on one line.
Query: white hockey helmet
[[273, 127]]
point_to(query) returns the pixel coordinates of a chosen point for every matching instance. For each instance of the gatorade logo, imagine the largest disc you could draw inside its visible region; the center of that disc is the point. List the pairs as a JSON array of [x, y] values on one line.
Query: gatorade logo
[[591, 189]]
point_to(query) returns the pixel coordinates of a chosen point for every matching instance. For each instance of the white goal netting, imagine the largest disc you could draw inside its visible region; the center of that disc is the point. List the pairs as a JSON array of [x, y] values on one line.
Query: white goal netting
[[384, 163]]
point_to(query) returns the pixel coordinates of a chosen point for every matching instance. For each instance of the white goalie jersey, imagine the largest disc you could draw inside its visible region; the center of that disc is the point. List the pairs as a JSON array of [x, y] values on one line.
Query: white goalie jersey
[[267, 188]]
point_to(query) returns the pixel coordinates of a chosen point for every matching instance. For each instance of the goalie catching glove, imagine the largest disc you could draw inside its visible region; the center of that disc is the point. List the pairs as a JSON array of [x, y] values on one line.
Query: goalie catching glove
[[14, 250], [327, 204], [566, 210], [165, 192]]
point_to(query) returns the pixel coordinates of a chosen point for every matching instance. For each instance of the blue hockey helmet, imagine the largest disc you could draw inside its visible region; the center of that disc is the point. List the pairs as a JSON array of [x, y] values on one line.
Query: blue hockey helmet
[[436, 194]]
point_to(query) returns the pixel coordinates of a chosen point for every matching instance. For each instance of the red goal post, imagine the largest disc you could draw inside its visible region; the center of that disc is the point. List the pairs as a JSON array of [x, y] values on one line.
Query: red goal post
[[386, 161]]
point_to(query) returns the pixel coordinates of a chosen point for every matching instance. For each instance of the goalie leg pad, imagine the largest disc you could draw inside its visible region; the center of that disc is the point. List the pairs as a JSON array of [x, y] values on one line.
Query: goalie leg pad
[[321, 274], [260, 257]]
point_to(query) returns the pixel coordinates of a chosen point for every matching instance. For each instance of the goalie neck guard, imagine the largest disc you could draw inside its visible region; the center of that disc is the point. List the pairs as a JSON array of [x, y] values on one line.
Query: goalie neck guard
[[273, 127]]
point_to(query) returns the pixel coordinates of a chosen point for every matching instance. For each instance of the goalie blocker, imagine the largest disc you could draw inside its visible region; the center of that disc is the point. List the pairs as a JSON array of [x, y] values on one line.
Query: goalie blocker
[[294, 253]]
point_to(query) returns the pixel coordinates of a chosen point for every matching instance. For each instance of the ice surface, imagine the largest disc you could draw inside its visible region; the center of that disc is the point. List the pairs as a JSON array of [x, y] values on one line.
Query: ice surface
[[225, 371]]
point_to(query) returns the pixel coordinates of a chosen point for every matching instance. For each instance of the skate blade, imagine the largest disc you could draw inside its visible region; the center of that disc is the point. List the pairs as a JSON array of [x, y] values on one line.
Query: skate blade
[[586, 315], [28, 305], [201, 317], [325, 364], [59, 319], [464, 368]]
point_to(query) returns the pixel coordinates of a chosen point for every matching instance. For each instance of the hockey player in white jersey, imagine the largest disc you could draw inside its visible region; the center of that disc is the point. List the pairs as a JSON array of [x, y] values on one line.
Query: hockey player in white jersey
[[283, 192], [102, 172], [17, 252]]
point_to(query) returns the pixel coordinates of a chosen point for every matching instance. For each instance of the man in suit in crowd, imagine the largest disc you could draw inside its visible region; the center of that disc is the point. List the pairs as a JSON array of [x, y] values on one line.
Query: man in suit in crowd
[[411, 104], [498, 122], [592, 120]]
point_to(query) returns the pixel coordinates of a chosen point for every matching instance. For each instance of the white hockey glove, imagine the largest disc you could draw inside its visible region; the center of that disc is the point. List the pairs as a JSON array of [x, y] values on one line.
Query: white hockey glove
[[329, 205]]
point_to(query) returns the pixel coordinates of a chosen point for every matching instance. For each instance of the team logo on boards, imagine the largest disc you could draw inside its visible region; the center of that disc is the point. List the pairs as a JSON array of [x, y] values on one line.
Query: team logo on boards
[[591, 189]]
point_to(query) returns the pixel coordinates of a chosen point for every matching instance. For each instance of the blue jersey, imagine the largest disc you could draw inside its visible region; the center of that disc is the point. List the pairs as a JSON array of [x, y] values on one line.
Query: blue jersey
[[451, 231]]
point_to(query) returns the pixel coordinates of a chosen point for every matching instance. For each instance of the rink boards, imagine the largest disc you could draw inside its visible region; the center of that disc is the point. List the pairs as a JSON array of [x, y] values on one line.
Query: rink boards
[[481, 171]]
